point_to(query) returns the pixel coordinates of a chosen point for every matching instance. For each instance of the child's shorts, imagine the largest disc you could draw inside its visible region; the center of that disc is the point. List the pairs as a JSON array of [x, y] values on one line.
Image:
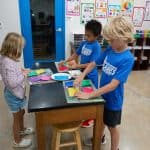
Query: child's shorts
[[112, 118], [14, 103]]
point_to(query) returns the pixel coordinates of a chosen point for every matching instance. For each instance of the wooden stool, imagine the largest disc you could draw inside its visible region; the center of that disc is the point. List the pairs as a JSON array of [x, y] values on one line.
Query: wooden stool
[[58, 129]]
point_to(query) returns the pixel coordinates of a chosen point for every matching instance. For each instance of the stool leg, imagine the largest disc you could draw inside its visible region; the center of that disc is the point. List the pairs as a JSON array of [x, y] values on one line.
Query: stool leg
[[55, 144], [78, 140]]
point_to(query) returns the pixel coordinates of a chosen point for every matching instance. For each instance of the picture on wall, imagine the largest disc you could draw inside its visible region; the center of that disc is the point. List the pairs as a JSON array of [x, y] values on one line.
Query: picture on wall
[[87, 12], [127, 8], [138, 16], [73, 7], [114, 10], [147, 11], [101, 8]]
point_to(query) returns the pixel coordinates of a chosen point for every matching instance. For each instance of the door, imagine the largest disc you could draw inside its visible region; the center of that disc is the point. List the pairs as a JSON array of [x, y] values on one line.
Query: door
[[43, 26]]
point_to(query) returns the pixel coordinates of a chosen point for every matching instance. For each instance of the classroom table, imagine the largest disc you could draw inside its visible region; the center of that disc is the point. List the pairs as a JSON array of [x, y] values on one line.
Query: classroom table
[[48, 103]]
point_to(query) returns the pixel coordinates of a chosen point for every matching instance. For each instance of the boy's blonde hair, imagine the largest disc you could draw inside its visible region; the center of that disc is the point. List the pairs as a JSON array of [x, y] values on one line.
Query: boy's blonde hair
[[119, 28], [12, 46]]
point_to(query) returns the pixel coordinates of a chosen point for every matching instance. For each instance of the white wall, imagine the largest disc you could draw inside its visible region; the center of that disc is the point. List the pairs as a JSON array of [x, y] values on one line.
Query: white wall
[[73, 22], [9, 16]]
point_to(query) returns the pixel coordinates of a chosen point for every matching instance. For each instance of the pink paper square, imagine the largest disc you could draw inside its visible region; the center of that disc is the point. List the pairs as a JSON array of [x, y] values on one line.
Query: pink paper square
[[87, 89]]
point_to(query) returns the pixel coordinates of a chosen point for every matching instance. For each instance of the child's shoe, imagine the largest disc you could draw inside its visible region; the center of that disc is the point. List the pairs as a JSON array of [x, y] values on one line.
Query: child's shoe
[[88, 142], [23, 143], [87, 123], [27, 131]]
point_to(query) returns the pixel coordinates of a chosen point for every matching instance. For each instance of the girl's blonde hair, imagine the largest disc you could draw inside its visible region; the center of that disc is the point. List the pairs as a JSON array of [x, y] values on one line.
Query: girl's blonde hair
[[12, 46], [119, 28]]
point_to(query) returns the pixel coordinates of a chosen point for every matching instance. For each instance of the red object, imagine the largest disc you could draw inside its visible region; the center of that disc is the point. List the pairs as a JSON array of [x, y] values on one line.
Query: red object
[[87, 123], [87, 89], [63, 68]]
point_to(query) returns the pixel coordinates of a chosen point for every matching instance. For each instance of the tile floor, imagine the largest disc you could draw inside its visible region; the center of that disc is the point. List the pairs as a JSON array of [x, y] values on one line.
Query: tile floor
[[135, 128]]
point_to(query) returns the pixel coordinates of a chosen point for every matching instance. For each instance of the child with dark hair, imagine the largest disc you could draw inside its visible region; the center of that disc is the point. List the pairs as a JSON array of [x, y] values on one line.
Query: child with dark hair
[[89, 50]]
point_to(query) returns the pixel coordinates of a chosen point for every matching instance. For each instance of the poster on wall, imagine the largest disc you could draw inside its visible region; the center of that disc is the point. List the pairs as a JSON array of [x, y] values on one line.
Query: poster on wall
[[114, 10], [147, 11], [101, 8], [127, 7], [87, 12], [73, 7], [138, 16]]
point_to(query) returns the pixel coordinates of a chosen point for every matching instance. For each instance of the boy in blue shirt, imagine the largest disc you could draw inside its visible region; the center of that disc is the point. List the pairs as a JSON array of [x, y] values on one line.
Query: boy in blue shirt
[[117, 63], [89, 51]]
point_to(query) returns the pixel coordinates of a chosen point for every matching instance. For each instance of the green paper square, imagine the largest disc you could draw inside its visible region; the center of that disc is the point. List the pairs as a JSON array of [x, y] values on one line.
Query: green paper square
[[32, 73], [86, 83]]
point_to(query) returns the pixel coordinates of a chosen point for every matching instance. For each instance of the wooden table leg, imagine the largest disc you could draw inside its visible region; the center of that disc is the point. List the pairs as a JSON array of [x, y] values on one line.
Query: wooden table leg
[[98, 129], [40, 131]]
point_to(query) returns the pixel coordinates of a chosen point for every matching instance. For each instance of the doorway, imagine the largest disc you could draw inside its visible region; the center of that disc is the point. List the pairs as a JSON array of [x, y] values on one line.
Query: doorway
[[43, 26]]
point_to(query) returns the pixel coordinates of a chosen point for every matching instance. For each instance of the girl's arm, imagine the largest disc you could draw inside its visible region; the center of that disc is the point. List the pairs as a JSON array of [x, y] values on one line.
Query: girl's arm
[[14, 78]]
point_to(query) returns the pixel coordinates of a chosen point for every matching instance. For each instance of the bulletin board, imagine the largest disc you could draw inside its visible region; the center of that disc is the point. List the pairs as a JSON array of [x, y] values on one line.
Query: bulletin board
[[101, 8], [147, 11], [138, 16], [73, 7], [114, 10], [87, 12], [127, 7]]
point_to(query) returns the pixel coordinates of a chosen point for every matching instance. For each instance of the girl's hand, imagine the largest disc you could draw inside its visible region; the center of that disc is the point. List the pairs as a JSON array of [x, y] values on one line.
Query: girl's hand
[[25, 71], [82, 95]]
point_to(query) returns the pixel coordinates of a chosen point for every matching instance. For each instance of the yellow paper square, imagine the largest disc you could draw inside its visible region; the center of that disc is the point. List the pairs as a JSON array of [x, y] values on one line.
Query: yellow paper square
[[40, 71], [72, 91]]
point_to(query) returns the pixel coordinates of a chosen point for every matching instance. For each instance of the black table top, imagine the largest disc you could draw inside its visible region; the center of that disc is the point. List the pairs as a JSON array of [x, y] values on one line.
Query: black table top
[[50, 65], [49, 96]]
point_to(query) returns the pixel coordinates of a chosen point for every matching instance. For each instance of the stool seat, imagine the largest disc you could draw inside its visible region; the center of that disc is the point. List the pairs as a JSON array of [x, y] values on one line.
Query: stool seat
[[73, 128], [67, 127]]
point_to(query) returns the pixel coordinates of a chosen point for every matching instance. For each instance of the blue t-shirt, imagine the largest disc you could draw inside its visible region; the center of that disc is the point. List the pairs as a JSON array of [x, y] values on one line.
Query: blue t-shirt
[[116, 65], [89, 52]]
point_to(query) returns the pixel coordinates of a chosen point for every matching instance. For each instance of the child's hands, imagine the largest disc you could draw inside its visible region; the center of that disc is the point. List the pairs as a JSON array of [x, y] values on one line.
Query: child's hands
[[78, 81], [25, 71], [72, 64], [61, 63], [82, 95]]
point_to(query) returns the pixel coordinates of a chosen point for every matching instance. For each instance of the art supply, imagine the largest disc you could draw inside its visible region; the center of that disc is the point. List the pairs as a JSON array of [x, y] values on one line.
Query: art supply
[[39, 76], [40, 71], [61, 76], [48, 71], [63, 68], [32, 73], [34, 79], [72, 91], [45, 78], [85, 83], [74, 73], [69, 84], [87, 89]]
